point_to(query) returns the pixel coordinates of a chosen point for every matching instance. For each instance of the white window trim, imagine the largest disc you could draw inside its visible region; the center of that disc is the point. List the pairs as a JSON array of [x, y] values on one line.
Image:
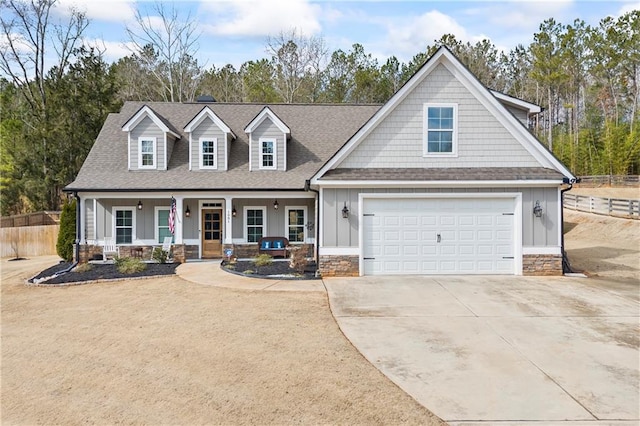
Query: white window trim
[[215, 153], [156, 224], [115, 209], [244, 221], [275, 153], [425, 130], [304, 225], [155, 147]]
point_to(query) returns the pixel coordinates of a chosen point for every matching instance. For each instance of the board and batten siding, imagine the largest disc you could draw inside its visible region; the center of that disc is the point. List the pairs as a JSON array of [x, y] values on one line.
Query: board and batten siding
[[275, 218], [89, 222], [267, 129], [207, 129], [397, 141], [536, 232], [147, 128], [144, 219]]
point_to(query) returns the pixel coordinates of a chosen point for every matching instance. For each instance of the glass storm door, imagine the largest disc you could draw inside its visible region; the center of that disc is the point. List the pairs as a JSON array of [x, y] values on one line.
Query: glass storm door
[[211, 233]]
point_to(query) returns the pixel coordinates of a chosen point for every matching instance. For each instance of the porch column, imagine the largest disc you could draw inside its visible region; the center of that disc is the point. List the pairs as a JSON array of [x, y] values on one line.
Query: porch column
[[228, 221], [179, 220]]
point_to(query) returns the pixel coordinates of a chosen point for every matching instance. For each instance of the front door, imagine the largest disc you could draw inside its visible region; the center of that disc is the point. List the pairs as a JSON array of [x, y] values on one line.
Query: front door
[[211, 233]]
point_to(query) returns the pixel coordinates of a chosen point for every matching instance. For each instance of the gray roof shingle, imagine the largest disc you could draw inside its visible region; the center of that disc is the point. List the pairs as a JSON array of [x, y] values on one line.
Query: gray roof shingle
[[445, 174], [317, 132]]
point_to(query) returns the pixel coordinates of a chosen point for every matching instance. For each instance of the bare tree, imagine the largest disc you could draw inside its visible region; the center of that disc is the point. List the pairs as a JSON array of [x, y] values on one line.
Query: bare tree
[[175, 43], [27, 34], [298, 60]]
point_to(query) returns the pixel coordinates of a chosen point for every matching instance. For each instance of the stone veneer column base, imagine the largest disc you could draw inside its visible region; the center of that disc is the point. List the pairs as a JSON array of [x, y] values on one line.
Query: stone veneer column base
[[542, 264], [339, 266]]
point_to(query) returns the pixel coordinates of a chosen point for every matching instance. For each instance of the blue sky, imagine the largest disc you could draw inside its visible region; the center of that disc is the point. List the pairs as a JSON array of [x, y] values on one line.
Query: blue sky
[[235, 31]]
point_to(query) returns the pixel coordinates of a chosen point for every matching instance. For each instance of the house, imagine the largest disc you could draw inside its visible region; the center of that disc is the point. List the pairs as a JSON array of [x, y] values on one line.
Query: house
[[444, 178]]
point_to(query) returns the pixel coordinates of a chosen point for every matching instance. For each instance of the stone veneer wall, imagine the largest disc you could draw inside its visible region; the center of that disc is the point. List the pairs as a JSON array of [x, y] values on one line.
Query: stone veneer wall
[[339, 266], [542, 264], [180, 252]]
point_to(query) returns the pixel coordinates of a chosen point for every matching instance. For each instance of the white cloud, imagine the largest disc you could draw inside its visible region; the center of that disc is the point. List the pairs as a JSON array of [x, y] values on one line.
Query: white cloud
[[413, 35], [260, 18], [112, 51], [101, 10], [629, 7]]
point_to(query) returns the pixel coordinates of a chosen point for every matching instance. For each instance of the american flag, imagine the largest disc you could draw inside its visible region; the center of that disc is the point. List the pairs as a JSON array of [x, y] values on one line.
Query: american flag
[[172, 216]]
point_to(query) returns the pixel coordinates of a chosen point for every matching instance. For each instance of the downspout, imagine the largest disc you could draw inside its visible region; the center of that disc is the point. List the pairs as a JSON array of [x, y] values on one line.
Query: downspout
[[78, 227], [307, 187], [566, 267]]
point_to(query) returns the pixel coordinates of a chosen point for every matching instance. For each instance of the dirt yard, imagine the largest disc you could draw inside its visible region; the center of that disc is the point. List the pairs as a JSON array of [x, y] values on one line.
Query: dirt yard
[[603, 246], [166, 351]]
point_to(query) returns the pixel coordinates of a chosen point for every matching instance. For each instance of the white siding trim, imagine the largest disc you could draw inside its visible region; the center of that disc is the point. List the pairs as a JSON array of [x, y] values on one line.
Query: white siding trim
[[145, 111], [166, 160], [95, 219], [226, 151], [204, 113], [266, 112], [129, 151], [250, 151], [436, 183], [190, 148], [541, 250], [320, 215]]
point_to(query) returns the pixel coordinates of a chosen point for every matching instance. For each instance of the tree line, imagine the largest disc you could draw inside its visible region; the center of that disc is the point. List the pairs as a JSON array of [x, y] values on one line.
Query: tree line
[[586, 79]]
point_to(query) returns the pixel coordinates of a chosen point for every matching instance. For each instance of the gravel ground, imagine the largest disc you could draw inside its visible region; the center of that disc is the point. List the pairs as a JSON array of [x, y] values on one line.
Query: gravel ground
[[107, 272]]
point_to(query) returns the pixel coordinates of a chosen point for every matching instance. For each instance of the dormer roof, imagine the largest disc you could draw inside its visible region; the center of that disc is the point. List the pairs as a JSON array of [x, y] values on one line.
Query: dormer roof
[[204, 113], [267, 113], [158, 120]]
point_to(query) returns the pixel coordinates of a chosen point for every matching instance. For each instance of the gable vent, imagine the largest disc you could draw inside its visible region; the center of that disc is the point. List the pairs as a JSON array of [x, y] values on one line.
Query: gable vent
[[205, 98]]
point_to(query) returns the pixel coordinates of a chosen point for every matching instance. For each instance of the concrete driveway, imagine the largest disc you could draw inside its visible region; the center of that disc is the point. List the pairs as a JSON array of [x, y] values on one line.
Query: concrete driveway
[[500, 349]]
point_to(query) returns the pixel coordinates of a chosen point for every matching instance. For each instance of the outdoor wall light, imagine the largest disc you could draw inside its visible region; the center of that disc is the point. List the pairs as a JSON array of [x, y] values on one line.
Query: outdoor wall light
[[345, 211], [139, 205], [276, 205], [234, 212], [537, 210], [187, 212]]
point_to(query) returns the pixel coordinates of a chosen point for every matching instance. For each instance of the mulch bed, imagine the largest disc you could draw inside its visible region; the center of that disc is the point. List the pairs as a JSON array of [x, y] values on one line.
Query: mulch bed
[[101, 272], [280, 270]]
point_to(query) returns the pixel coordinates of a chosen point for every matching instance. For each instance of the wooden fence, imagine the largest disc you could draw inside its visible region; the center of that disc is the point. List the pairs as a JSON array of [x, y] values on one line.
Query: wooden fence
[[31, 219], [609, 180], [605, 206], [28, 241]]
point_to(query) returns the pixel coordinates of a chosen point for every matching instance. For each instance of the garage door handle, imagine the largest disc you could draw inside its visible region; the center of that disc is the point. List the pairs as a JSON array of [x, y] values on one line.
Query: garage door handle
[[439, 238]]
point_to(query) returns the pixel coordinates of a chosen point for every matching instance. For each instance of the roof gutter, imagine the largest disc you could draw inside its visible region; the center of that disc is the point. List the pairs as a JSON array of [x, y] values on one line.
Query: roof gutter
[[566, 266]]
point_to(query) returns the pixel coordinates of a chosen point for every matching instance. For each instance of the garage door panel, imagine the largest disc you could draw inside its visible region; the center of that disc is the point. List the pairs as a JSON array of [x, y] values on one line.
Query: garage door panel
[[474, 236]]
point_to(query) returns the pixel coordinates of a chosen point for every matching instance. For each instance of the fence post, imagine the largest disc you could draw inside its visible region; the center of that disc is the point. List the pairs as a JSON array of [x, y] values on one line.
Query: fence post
[[610, 206]]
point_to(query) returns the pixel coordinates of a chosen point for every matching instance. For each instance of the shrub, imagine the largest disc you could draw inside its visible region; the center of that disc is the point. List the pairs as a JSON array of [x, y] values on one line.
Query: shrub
[[83, 267], [262, 260], [129, 265], [159, 255], [67, 233]]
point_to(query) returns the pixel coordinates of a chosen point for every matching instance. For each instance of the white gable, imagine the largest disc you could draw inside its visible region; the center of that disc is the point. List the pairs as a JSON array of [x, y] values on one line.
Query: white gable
[[264, 114], [488, 135], [397, 141], [143, 113], [207, 113]]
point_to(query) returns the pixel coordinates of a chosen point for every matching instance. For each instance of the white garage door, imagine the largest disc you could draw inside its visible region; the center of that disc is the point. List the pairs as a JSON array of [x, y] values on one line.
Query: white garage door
[[438, 236]]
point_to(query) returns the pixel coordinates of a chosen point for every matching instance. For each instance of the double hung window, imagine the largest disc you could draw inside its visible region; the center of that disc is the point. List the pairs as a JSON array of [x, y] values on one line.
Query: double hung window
[[267, 153], [255, 223], [208, 153], [147, 153], [124, 225], [440, 129]]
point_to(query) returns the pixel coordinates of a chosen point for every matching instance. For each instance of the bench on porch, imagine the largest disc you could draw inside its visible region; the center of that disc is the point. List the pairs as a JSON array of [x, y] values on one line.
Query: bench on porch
[[273, 246]]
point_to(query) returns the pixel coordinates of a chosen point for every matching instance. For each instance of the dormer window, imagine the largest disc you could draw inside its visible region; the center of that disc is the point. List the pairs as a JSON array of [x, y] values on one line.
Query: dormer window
[[146, 153], [208, 153], [267, 154]]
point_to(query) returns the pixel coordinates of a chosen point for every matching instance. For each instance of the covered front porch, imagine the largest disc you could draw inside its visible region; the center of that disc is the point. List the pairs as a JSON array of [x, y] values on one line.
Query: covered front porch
[[206, 225]]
